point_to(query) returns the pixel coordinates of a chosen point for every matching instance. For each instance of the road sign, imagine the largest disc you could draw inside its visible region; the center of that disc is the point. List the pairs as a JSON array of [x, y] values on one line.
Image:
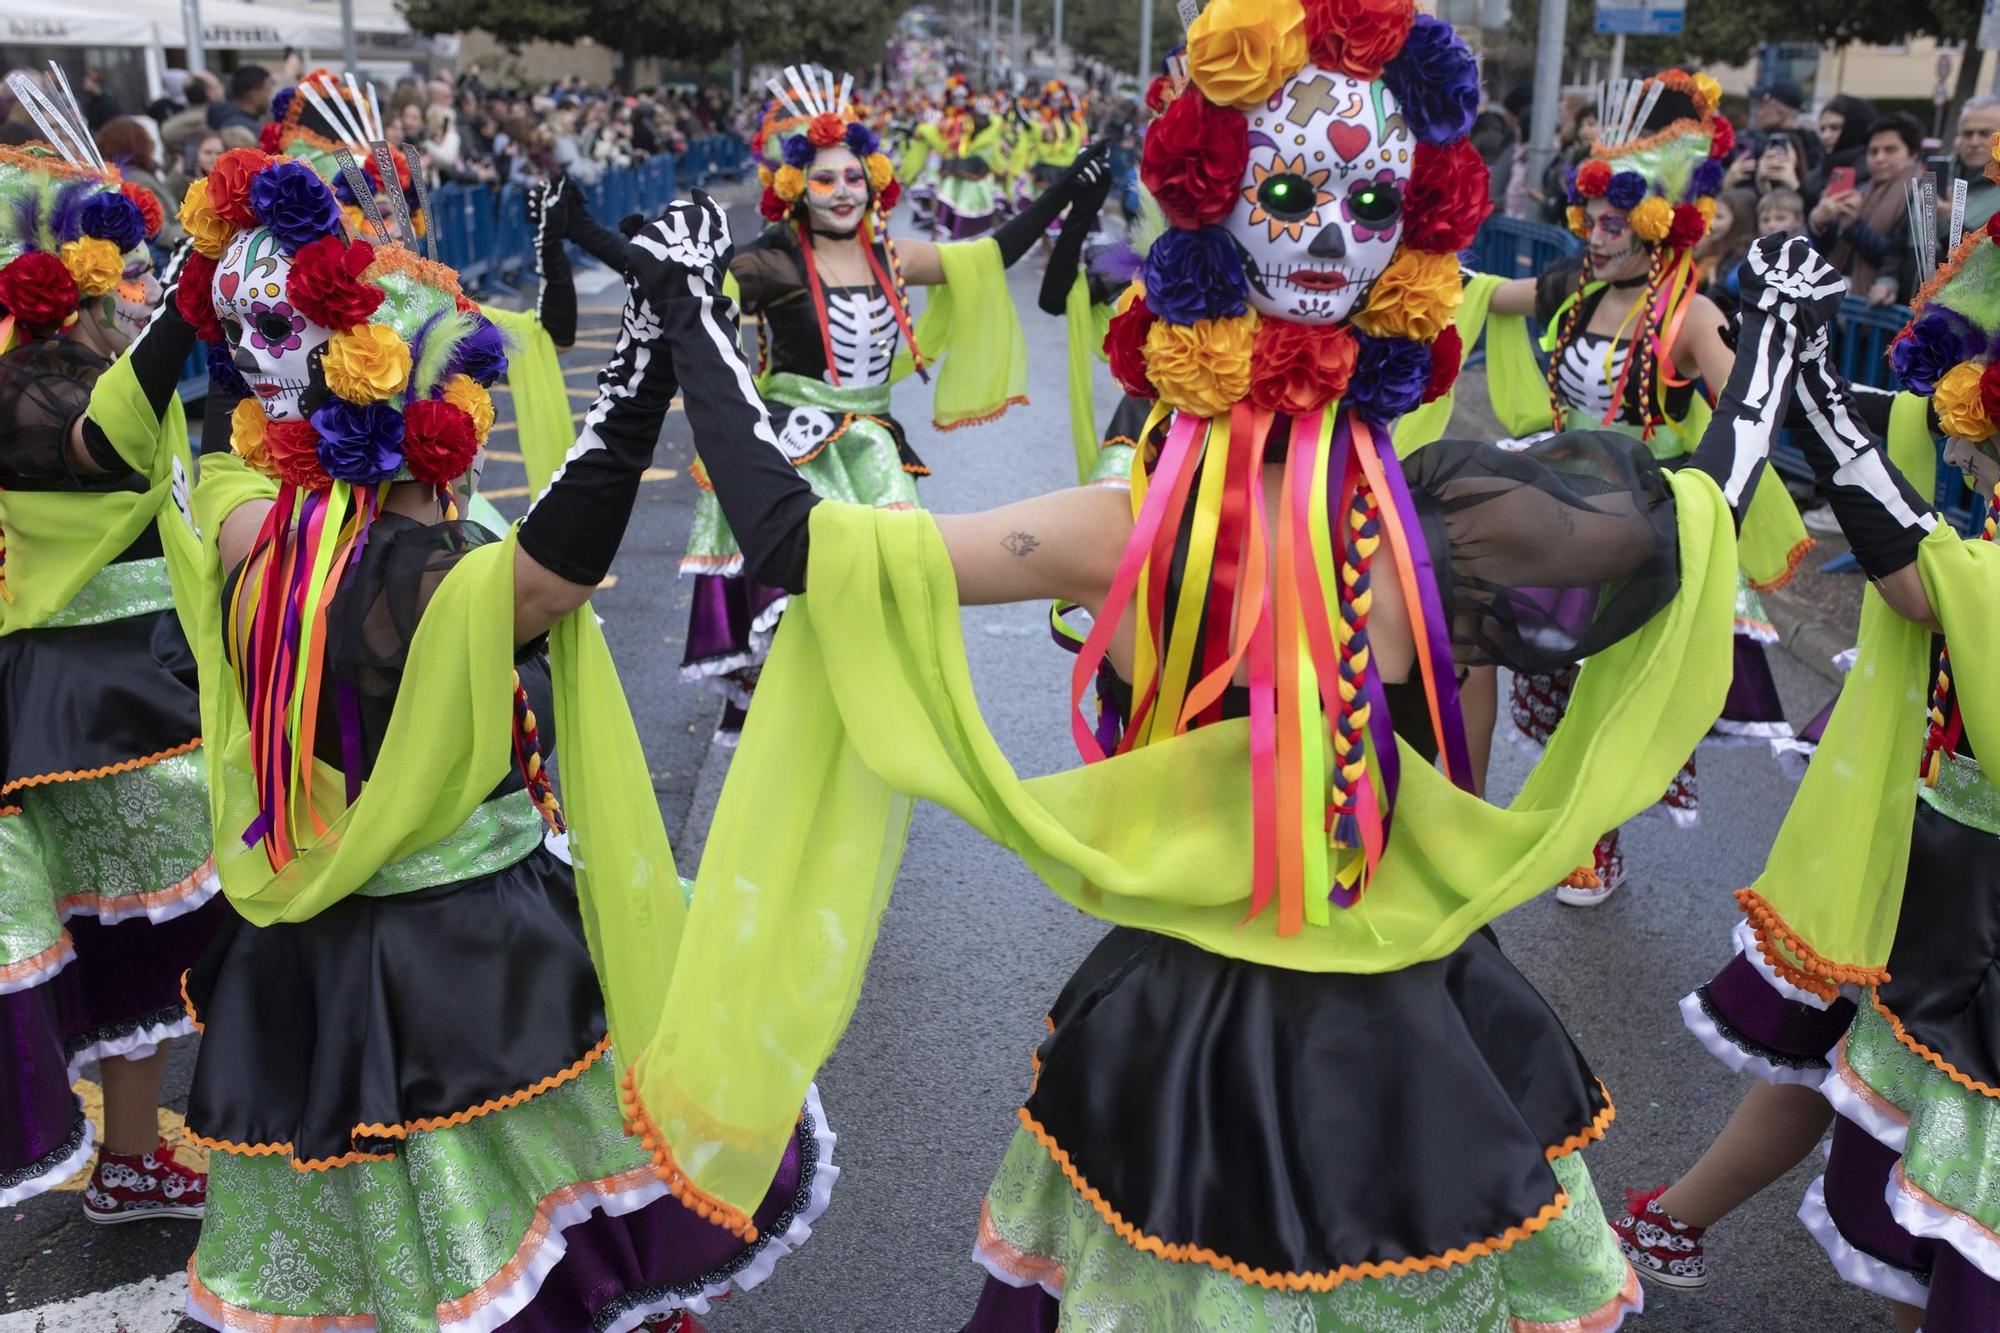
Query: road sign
[[1646, 18]]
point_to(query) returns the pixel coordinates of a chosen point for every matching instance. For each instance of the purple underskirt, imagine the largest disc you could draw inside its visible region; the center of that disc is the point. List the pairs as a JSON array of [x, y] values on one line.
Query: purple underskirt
[[1006, 1309], [1748, 1009], [720, 613], [124, 977], [949, 220], [1857, 1183], [1753, 692]]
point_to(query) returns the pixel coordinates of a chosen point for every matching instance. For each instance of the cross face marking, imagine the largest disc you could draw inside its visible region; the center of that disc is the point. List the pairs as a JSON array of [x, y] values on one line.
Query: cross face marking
[[1314, 97]]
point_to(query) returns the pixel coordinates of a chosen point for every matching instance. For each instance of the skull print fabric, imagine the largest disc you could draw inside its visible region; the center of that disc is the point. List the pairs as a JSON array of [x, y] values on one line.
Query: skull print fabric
[[272, 343], [1320, 212]]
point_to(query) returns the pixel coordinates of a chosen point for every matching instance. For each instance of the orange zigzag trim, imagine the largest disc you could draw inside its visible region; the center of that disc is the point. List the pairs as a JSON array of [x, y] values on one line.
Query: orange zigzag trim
[[274, 1149], [1826, 978], [1927, 1055], [188, 1004], [639, 1124], [549, 1084], [1019, 400], [86, 774], [1591, 1132], [1178, 1253], [1792, 560]]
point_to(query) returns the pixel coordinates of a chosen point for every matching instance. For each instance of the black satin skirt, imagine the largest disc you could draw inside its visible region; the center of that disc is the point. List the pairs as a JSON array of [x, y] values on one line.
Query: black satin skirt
[[88, 698], [391, 1011], [1298, 1122], [1942, 966]]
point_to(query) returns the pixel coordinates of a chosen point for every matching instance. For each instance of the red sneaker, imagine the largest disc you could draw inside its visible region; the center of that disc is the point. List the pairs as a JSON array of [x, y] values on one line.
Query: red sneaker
[[1660, 1249], [1587, 886], [131, 1189]]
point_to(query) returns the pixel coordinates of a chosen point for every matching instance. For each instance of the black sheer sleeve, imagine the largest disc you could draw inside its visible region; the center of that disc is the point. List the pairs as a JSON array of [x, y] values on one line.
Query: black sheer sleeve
[[1555, 285], [767, 271], [44, 387], [1547, 555], [1060, 275]]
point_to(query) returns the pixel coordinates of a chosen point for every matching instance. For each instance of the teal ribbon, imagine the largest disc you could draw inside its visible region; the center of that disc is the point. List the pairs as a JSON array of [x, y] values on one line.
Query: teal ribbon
[[117, 591]]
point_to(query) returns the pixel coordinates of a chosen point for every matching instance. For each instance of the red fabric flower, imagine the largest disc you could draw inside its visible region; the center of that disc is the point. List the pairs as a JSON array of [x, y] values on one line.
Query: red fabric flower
[[1446, 352], [1194, 160], [325, 283], [229, 184], [757, 145], [1125, 345], [270, 137], [438, 441], [825, 130], [1993, 228], [149, 206], [1989, 390], [1297, 368], [37, 289], [892, 193], [1357, 37], [293, 448], [1689, 226], [1593, 178], [465, 305], [194, 297], [1724, 141], [1447, 198], [772, 207], [1158, 93]]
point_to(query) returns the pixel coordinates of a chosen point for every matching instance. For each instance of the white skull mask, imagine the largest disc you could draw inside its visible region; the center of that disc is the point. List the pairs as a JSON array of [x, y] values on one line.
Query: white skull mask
[[273, 344], [1320, 212]]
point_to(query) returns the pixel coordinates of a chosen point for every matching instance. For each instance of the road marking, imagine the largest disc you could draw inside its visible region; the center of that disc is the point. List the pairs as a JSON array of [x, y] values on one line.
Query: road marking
[[150, 1306], [516, 492]]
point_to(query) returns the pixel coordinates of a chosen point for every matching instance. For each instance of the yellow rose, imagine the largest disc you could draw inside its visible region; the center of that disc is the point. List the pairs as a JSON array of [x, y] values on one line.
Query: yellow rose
[[367, 364], [462, 391], [1579, 220], [1959, 408], [246, 435], [1415, 297], [1135, 291], [789, 183], [1652, 219], [1710, 91], [1239, 52], [1201, 368], [208, 230], [880, 172], [95, 265]]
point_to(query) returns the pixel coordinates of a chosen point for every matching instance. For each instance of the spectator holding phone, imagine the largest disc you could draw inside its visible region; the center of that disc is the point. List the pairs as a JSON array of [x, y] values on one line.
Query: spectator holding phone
[[1845, 123], [1863, 229]]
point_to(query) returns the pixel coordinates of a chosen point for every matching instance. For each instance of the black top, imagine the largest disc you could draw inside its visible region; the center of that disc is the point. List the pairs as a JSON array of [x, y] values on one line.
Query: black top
[[770, 273], [1557, 285]]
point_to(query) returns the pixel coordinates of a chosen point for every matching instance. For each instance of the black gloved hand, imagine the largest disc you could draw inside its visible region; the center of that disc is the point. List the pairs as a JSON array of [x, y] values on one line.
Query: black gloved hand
[[1092, 187], [1088, 176], [550, 208]]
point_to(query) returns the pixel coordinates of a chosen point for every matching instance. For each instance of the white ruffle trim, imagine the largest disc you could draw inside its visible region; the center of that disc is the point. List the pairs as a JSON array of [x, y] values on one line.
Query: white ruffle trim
[[1843, 661], [1841, 1089], [134, 906], [729, 568], [1921, 1215], [1758, 631], [1793, 755], [1744, 939], [134, 1045], [1726, 732], [1864, 1271], [713, 673], [56, 1174], [1738, 1058], [998, 1272], [65, 954]]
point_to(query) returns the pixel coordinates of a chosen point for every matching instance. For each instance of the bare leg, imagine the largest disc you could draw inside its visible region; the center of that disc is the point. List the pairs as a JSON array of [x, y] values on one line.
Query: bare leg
[[1770, 1133], [132, 1103], [1909, 1319]]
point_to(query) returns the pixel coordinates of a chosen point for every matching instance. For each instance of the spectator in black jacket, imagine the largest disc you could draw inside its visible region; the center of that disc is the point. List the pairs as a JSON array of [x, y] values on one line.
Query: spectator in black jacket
[[1865, 232], [249, 104]]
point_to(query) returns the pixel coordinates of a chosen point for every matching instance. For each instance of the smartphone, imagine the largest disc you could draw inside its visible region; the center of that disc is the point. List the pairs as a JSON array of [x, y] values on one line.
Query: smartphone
[[1840, 181]]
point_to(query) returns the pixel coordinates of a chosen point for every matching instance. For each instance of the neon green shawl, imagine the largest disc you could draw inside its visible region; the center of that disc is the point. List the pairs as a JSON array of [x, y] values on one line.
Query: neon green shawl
[[1825, 907], [1433, 419], [1084, 326], [534, 375], [866, 704], [980, 361]]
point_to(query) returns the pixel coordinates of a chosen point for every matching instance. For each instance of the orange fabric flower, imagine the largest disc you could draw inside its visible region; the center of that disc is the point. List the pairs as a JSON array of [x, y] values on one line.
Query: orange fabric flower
[[826, 129], [1415, 297], [1296, 368]]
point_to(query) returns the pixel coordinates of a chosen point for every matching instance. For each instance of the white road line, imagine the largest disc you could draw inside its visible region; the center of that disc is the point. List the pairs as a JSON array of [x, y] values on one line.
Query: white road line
[[151, 1306]]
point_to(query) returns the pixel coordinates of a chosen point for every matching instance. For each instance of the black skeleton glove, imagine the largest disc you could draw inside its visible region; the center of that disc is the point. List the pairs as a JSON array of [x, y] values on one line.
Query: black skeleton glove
[[1018, 234], [550, 208]]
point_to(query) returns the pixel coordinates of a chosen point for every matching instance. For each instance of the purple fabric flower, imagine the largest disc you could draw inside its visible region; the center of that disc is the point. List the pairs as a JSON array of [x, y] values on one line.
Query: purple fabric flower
[[1435, 80], [1626, 190], [1936, 342], [222, 371], [281, 102], [799, 152], [114, 218], [481, 355], [1194, 275], [362, 445], [290, 198], [1707, 179], [1575, 197], [861, 140], [1390, 376]]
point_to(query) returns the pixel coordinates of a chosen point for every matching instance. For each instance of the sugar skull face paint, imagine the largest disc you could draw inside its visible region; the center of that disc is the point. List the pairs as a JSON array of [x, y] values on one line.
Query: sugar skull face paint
[[1320, 211], [273, 343]]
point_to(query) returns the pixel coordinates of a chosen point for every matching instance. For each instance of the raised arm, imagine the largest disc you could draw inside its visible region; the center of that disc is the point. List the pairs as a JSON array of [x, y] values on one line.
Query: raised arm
[[1516, 296], [156, 356], [1088, 177], [1060, 275], [549, 209]]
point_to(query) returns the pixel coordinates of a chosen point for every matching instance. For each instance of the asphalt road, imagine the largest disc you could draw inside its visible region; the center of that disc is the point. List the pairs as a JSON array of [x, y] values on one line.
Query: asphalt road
[[923, 1087]]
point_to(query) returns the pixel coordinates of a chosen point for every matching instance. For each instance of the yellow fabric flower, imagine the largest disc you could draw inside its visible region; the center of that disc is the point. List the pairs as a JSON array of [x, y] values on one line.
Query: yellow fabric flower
[[208, 230], [420, 223], [1710, 90], [789, 183], [94, 263], [764, 177], [880, 172], [1239, 52], [246, 436], [1652, 219], [1959, 407], [1415, 297], [1201, 368], [1579, 220], [356, 220], [463, 392], [1134, 292], [367, 364], [1706, 207]]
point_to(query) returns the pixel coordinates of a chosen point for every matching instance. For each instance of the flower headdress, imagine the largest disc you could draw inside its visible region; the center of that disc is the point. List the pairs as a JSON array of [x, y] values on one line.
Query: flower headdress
[[325, 113], [1168, 83], [1664, 177], [1949, 352], [69, 227], [1185, 333]]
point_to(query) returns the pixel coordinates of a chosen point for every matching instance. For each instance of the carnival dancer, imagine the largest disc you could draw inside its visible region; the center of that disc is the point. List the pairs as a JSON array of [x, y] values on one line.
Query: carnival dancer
[[837, 331], [403, 1080], [1642, 202], [962, 140], [106, 879], [1859, 985], [1299, 1086]]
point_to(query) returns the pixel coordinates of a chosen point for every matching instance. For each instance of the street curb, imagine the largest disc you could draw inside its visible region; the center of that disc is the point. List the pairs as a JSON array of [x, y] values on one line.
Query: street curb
[[701, 807], [1805, 634]]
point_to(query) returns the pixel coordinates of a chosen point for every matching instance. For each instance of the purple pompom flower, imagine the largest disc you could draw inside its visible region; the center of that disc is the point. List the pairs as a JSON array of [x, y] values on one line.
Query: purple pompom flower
[[114, 218], [799, 152], [289, 197], [1939, 340], [361, 445], [1707, 179], [1195, 275], [861, 140], [1626, 191], [1435, 80], [481, 355], [1390, 376]]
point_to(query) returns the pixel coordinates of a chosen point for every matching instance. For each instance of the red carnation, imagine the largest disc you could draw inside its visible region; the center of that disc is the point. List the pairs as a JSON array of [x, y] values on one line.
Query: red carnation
[[194, 297], [891, 194], [149, 206], [1724, 141], [826, 129], [38, 290], [1357, 37], [270, 138], [772, 207], [1125, 345], [1159, 93], [325, 283], [1593, 178], [438, 441], [1296, 368], [1447, 198], [293, 448], [1446, 352], [1989, 390], [1194, 160], [1689, 226], [229, 184], [1993, 228]]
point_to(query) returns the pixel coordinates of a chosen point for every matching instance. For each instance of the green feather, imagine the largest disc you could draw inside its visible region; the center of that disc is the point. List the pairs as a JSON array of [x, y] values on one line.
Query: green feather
[[443, 340]]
